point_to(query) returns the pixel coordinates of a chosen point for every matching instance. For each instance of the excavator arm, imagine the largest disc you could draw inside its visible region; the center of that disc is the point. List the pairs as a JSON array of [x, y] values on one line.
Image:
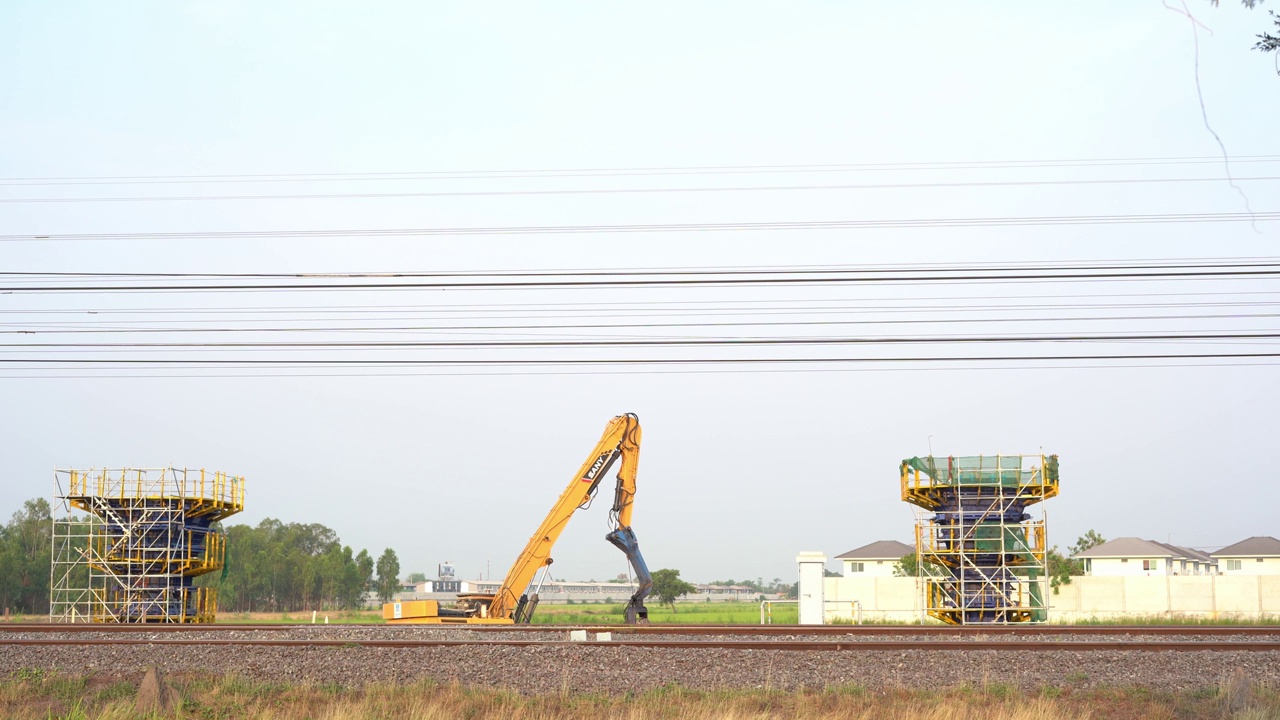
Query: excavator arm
[[511, 603], [621, 440]]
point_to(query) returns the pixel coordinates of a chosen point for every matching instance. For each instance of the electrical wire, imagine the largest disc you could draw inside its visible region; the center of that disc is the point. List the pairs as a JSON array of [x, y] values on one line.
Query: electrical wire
[[633, 171], [696, 342], [40, 329], [812, 225], [779, 305], [304, 362], [1136, 264], [151, 373], [631, 191], [711, 277]]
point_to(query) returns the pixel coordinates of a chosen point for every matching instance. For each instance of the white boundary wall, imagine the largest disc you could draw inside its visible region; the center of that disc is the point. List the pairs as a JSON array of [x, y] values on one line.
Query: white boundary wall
[[895, 599]]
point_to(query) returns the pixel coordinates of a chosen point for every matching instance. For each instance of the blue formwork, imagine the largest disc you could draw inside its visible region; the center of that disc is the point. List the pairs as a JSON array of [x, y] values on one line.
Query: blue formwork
[[984, 553], [154, 535]]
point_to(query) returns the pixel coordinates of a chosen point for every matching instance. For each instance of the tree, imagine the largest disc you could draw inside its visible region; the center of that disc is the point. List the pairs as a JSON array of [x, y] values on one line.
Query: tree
[[365, 564], [1059, 569], [26, 550], [1269, 43], [907, 567], [285, 567], [1266, 43], [1090, 539], [388, 574], [416, 577], [667, 586]]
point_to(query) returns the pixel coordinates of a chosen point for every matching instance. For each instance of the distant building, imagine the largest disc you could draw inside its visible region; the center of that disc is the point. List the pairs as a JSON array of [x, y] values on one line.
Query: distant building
[[561, 591], [552, 590], [874, 560], [1258, 555], [1135, 556], [445, 586], [716, 593]]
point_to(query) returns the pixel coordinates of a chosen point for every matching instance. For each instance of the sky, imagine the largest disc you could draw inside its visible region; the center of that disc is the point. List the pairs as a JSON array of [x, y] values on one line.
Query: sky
[[436, 116]]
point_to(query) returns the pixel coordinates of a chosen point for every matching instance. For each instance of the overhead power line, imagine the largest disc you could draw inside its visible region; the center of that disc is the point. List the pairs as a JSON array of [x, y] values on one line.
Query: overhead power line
[[698, 278], [31, 329], [152, 372], [632, 171], [65, 363], [697, 342], [631, 191], [1027, 221], [865, 269], [667, 308]]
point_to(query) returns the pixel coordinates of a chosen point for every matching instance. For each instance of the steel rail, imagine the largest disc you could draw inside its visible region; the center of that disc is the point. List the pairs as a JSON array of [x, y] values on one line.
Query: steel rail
[[926, 630], [744, 630], [782, 645]]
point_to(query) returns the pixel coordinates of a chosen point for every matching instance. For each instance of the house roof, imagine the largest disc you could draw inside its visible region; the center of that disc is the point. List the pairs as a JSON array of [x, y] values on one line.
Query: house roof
[[1186, 553], [1138, 548], [878, 550], [1257, 546], [1129, 547], [1197, 554]]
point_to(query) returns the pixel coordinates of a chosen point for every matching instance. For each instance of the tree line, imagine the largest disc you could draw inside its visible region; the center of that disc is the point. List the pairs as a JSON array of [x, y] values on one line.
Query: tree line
[[289, 567], [26, 551]]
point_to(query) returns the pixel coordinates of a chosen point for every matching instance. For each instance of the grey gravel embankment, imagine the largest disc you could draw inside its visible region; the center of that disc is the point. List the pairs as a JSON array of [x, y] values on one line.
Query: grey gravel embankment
[[600, 667]]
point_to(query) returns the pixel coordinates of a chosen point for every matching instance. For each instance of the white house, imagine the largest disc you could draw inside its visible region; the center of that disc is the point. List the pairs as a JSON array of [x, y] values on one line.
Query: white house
[[1258, 555], [1135, 556], [874, 560]]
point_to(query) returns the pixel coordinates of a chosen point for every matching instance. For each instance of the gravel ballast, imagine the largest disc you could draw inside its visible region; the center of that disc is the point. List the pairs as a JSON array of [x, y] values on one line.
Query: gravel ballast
[[600, 667]]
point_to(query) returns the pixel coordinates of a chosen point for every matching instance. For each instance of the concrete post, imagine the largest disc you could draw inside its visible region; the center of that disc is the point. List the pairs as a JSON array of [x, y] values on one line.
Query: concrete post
[[811, 566]]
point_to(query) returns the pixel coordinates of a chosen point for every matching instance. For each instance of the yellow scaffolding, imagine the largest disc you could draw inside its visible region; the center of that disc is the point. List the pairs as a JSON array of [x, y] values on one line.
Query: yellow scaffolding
[[982, 557], [145, 534]]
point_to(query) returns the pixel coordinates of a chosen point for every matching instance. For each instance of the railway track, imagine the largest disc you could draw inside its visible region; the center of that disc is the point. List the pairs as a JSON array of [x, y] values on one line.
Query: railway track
[[785, 645], [543, 659], [745, 630], [767, 637]]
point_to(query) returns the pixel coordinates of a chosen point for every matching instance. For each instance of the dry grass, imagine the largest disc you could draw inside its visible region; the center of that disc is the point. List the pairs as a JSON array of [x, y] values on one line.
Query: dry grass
[[38, 695]]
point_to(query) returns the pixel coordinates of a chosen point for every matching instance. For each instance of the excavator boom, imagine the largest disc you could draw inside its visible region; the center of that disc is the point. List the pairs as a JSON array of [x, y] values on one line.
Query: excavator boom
[[511, 603], [620, 441]]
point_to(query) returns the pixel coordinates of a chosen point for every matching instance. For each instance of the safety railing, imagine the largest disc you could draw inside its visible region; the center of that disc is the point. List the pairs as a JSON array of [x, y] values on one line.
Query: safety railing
[[766, 609]]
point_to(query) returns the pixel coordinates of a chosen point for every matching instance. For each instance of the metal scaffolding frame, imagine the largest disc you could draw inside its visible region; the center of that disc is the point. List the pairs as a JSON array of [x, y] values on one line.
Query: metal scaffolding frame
[[986, 555], [145, 534]]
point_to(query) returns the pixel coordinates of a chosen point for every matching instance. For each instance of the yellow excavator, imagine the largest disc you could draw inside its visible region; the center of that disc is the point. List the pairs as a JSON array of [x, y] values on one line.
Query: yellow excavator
[[512, 603]]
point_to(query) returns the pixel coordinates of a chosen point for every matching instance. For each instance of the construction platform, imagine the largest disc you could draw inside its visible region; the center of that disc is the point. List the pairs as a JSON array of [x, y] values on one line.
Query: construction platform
[[981, 555], [145, 535]]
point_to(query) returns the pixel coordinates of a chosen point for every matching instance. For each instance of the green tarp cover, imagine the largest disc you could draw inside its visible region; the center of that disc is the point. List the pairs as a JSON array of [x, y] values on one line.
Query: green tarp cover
[[981, 469]]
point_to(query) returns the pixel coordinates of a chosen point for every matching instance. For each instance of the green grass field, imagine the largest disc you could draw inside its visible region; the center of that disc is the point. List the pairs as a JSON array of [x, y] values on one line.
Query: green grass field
[[720, 613]]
